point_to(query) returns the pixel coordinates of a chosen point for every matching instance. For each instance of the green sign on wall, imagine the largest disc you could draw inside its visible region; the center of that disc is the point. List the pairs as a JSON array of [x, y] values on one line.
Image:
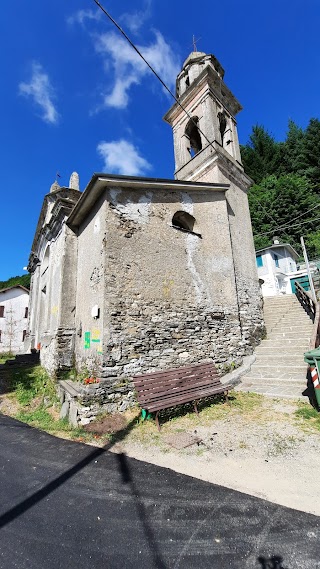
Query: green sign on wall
[[86, 340]]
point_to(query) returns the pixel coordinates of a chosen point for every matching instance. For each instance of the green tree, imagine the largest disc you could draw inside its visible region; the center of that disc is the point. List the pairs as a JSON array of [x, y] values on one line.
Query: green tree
[[310, 158], [278, 206], [262, 155], [23, 280], [293, 149]]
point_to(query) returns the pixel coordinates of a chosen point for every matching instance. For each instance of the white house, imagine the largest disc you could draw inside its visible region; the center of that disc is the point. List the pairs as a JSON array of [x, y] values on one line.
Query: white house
[[14, 302], [277, 268]]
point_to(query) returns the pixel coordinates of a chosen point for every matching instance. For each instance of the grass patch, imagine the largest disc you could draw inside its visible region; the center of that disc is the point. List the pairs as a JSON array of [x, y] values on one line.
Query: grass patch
[[308, 417], [6, 356], [35, 400]]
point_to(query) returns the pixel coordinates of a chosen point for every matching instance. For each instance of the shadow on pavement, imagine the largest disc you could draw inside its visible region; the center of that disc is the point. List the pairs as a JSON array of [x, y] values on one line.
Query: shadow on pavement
[[127, 479], [28, 503], [274, 562]]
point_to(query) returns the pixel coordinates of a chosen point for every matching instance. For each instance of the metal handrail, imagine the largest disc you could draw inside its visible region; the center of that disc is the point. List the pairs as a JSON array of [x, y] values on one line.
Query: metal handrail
[[312, 308]]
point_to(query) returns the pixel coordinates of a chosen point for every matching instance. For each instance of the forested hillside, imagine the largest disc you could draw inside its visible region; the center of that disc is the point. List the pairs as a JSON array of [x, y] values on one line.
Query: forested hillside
[[285, 198], [24, 280]]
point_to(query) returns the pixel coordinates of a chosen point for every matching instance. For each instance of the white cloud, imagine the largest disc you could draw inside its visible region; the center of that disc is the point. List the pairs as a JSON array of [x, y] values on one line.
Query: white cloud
[[135, 20], [40, 90], [130, 69], [81, 16], [122, 157]]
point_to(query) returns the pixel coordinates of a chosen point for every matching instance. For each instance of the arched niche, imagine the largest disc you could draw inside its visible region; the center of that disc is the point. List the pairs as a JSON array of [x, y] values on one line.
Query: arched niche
[[193, 134]]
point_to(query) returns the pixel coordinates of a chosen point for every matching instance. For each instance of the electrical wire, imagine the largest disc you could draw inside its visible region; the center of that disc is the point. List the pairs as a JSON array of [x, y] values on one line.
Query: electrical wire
[[152, 69], [184, 109], [283, 229], [288, 224]]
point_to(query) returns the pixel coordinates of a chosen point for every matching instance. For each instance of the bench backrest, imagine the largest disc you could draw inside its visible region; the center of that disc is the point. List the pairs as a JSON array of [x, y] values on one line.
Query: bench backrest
[[175, 382]]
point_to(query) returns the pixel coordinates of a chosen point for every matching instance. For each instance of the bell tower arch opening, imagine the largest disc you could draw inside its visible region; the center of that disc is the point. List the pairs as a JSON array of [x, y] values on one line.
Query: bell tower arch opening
[[193, 136]]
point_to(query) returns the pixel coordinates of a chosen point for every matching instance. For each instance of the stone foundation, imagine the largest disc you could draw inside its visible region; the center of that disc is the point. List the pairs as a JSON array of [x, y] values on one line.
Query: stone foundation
[[82, 403]]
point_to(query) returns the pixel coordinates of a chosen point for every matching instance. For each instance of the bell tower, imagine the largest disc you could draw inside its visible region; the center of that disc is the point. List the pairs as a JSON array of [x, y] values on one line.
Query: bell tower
[[206, 149], [208, 128]]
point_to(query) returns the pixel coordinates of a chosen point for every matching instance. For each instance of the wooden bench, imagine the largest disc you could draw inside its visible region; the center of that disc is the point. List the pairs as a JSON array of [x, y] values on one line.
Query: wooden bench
[[164, 389]]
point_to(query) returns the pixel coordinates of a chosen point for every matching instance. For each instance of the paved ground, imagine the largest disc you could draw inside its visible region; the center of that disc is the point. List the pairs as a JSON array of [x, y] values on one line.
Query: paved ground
[[66, 505]]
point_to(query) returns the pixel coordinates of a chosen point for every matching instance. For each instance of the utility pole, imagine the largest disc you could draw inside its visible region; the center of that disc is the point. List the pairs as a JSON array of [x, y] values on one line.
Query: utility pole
[[306, 260]]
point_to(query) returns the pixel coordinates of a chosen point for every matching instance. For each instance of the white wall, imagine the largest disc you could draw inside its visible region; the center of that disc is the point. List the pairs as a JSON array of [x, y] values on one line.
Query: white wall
[[14, 322], [276, 279]]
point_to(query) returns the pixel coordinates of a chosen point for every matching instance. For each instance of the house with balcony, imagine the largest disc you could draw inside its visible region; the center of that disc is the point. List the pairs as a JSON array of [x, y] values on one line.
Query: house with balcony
[[278, 269]]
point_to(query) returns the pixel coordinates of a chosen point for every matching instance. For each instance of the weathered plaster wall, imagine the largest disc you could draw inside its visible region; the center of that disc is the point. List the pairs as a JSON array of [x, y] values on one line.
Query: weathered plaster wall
[[170, 297], [224, 170], [51, 322], [91, 275]]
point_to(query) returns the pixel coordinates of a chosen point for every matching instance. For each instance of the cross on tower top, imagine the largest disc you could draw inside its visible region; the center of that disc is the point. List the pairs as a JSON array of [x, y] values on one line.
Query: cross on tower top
[[194, 42]]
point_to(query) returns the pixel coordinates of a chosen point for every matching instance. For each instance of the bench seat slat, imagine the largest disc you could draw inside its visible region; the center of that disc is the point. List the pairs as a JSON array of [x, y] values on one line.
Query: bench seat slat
[[176, 393], [173, 401], [141, 380], [192, 369], [175, 387], [183, 370], [176, 381]]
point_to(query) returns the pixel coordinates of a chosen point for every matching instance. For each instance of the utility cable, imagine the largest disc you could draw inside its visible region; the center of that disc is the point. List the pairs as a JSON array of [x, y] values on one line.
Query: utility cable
[[283, 229], [288, 223], [152, 69], [106, 13]]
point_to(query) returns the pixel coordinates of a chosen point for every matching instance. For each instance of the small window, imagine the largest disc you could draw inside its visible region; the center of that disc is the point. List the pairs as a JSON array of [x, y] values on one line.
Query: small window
[[0, 336], [1, 311], [24, 333], [276, 260], [183, 220], [26, 312], [259, 261]]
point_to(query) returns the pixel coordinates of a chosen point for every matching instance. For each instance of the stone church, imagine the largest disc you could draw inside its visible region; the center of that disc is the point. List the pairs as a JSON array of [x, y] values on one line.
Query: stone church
[[136, 274]]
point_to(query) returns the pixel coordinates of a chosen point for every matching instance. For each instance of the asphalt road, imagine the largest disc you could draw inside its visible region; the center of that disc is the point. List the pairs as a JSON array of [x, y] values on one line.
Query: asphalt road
[[66, 505]]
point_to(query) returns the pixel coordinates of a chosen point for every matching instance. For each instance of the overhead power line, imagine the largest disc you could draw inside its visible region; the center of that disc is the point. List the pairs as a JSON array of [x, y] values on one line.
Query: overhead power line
[[151, 69], [288, 223], [134, 47], [282, 229]]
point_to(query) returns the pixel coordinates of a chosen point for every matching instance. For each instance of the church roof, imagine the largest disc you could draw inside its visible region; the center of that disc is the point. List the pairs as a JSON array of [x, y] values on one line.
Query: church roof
[[99, 182]]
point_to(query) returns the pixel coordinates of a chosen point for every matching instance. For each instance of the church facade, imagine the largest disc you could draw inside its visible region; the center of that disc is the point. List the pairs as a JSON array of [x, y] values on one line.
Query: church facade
[[138, 274]]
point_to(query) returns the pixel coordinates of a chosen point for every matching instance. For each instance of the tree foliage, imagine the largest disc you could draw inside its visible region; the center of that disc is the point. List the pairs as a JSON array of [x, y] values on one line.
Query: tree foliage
[[23, 280], [287, 185]]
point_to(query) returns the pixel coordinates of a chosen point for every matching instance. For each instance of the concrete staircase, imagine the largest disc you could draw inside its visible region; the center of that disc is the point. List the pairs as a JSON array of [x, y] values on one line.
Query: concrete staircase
[[279, 369]]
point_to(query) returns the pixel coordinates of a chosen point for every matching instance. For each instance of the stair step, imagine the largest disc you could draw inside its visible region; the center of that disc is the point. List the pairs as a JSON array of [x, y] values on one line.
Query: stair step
[[293, 327], [280, 367], [274, 380], [288, 318], [277, 391], [290, 336], [282, 359], [282, 346]]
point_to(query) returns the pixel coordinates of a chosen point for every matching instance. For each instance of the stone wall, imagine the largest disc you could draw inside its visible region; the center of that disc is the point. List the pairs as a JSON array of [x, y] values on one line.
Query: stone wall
[[166, 298]]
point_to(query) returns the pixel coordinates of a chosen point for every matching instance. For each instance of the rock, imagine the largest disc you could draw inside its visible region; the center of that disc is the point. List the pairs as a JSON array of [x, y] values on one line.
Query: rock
[[73, 414], [124, 406], [85, 421], [64, 412]]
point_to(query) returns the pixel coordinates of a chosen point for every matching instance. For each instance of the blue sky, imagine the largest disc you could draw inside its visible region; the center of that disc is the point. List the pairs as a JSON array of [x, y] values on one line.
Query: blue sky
[[74, 97]]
